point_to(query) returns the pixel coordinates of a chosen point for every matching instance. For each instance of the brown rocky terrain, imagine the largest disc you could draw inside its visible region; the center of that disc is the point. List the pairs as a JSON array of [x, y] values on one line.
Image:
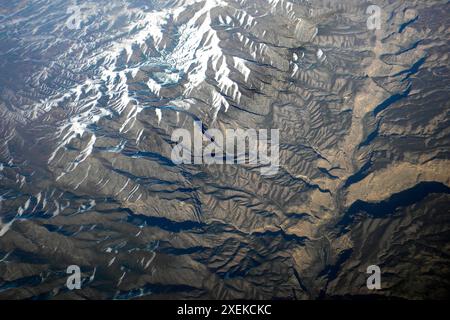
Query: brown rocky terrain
[[86, 173]]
